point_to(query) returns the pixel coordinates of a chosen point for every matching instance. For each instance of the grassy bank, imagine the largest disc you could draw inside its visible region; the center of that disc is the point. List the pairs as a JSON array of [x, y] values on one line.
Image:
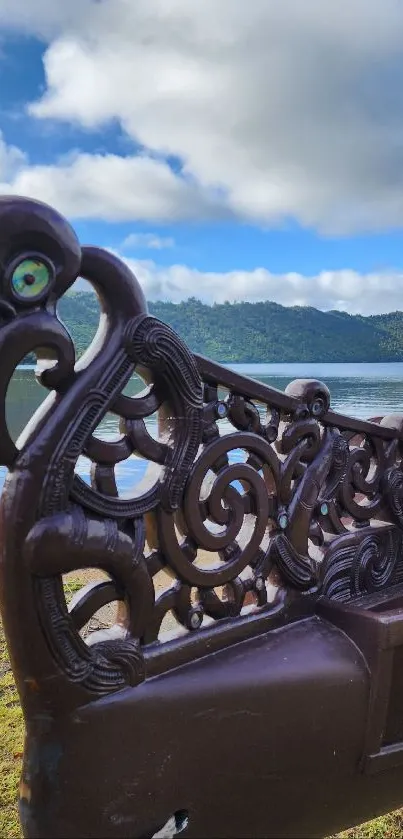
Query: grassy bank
[[12, 740], [11, 745]]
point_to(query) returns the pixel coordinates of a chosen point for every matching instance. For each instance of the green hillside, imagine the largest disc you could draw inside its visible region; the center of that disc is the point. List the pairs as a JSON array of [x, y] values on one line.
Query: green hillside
[[259, 332]]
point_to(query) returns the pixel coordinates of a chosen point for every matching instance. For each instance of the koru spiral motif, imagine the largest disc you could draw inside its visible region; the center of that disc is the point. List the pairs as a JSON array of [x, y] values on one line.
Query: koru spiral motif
[[259, 498]]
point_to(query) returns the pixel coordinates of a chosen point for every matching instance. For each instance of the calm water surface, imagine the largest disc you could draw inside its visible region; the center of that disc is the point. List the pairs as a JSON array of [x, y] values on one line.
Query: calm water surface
[[360, 390]]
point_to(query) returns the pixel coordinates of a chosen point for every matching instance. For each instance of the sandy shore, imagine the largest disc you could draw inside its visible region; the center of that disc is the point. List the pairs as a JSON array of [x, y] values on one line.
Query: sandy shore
[[107, 616]]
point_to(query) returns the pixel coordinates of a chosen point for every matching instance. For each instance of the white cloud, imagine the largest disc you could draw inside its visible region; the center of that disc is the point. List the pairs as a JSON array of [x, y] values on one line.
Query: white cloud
[[277, 110], [12, 159], [147, 241], [344, 290], [288, 109], [107, 186], [44, 18]]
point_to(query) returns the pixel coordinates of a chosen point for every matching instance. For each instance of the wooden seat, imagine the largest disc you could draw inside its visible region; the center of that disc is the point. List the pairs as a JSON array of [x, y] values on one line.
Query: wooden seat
[[250, 681]]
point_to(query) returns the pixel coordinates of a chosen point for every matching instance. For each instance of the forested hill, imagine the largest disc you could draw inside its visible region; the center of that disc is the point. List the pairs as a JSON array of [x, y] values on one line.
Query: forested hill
[[259, 332]]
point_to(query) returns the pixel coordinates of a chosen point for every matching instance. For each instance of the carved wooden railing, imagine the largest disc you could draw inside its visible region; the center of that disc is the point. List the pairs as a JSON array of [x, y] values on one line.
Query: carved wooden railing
[[276, 709]]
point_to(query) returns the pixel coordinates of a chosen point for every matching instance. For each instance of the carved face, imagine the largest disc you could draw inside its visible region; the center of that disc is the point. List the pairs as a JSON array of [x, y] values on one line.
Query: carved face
[[40, 257]]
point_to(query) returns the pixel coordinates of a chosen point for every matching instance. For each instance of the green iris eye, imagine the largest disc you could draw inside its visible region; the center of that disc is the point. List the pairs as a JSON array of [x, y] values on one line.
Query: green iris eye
[[30, 278]]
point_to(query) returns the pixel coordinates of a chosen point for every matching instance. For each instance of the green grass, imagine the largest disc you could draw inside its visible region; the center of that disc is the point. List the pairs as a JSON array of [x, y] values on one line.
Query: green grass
[[11, 746], [12, 737], [384, 827], [70, 586]]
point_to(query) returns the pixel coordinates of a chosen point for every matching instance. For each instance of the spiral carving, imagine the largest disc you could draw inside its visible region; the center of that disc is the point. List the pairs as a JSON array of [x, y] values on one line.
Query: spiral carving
[[392, 490], [249, 490], [374, 564], [362, 562], [227, 507]]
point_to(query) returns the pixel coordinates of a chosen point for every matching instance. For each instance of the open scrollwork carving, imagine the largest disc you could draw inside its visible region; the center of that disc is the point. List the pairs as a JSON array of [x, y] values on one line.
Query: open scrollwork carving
[[252, 493]]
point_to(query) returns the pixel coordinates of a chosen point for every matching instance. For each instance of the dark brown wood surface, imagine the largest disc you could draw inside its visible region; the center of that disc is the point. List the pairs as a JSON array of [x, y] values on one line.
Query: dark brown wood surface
[[275, 708]]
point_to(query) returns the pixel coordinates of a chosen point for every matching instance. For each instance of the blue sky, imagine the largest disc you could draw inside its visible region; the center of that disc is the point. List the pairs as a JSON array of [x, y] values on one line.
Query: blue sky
[[225, 150]]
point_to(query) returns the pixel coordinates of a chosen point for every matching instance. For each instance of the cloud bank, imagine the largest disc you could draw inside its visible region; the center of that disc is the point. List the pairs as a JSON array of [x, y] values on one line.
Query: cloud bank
[[347, 290], [262, 112], [272, 110]]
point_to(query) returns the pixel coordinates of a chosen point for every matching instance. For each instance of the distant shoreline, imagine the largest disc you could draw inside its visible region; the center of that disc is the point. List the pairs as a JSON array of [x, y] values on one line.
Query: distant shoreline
[[264, 365], [249, 333]]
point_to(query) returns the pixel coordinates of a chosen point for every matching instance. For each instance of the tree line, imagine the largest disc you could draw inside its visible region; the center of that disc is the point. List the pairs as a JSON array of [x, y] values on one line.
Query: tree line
[[258, 332]]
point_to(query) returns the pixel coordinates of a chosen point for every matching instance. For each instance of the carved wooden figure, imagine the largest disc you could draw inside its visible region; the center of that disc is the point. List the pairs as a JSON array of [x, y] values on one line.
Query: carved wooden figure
[[276, 710]]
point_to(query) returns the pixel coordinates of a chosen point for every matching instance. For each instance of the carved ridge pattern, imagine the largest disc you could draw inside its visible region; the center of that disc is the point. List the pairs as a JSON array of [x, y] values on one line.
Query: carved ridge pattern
[[362, 562], [117, 662], [392, 488], [258, 491]]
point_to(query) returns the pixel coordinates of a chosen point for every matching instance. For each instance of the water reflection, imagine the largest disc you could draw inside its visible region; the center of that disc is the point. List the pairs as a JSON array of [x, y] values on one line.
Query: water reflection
[[360, 390]]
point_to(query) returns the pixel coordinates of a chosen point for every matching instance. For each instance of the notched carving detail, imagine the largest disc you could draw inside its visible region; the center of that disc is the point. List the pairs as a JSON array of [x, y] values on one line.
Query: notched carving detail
[[297, 570], [392, 491], [254, 491], [362, 562]]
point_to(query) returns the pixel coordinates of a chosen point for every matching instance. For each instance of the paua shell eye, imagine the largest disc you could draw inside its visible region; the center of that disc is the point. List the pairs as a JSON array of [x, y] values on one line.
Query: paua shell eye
[[30, 278]]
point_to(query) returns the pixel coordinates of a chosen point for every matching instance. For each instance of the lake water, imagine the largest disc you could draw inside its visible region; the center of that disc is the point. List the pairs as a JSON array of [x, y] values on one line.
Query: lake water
[[360, 390]]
